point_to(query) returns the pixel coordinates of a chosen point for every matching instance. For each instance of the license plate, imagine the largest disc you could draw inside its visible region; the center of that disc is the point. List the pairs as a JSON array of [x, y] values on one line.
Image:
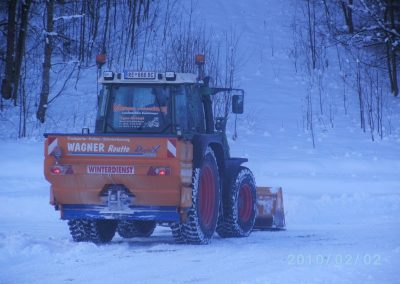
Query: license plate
[[139, 74]]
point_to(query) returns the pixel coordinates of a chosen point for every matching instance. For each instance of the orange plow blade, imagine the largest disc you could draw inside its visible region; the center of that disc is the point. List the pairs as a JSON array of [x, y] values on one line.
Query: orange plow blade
[[270, 212]]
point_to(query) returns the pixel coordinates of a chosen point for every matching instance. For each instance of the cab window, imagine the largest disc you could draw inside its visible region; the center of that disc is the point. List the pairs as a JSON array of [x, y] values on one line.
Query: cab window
[[138, 109], [189, 113]]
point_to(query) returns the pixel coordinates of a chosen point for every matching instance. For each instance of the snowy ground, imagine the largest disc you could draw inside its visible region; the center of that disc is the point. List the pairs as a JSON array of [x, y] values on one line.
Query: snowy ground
[[341, 229], [342, 199]]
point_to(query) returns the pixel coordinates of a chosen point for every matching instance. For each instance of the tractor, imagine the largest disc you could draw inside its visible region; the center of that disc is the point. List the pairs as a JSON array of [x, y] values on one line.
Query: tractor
[[157, 156]]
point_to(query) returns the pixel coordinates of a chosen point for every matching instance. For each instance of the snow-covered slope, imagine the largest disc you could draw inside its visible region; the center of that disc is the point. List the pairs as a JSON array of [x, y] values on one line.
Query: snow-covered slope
[[342, 199]]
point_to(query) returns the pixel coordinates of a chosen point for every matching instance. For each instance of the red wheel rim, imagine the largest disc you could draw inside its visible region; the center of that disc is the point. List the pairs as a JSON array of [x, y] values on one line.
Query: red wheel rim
[[245, 203], [207, 197]]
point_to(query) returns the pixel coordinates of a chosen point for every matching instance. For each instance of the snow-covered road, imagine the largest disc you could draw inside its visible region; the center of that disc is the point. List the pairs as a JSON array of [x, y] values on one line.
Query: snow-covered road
[[331, 238]]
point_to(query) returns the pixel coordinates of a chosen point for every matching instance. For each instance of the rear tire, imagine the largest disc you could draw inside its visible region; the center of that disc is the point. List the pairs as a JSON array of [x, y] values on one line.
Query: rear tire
[[135, 228], [239, 206], [101, 231], [77, 229], [203, 215], [177, 233]]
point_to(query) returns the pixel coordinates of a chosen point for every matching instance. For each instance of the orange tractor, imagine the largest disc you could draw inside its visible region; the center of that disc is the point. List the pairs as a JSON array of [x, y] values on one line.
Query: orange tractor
[[157, 156]]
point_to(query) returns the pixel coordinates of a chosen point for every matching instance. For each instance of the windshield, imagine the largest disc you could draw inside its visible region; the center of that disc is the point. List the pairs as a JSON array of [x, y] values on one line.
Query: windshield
[[138, 109]]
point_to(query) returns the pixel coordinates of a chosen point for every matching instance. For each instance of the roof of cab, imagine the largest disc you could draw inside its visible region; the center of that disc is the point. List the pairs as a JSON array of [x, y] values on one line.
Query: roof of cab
[[160, 78]]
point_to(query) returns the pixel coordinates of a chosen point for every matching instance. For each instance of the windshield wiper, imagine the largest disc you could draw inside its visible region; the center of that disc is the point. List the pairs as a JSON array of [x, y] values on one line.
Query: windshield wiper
[[159, 108], [162, 115], [140, 127]]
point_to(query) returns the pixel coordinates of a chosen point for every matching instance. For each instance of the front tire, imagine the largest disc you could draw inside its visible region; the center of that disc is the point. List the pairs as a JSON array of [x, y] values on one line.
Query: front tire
[[239, 206]]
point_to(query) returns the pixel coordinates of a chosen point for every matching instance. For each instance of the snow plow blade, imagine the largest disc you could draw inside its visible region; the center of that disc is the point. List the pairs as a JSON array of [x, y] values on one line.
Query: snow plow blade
[[270, 213]]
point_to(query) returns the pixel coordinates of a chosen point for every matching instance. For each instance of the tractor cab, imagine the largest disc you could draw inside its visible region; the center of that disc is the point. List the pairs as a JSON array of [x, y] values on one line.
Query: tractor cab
[[140, 102]]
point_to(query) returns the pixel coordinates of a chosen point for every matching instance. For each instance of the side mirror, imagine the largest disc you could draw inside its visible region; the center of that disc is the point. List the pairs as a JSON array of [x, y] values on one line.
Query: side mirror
[[238, 104]]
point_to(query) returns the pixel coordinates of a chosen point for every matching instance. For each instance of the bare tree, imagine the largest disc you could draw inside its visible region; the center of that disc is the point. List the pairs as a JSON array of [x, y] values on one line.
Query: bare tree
[[348, 14], [311, 27], [106, 24], [44, 95], [8, 81], [20, 47], [392, 45]]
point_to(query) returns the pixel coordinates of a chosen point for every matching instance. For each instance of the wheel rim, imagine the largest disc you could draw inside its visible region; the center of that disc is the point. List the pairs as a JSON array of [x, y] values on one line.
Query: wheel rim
[[245, 203], [207, 197]]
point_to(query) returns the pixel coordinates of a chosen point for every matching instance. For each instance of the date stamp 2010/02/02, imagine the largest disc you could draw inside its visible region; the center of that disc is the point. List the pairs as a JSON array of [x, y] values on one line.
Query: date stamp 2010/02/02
[[334, 259]]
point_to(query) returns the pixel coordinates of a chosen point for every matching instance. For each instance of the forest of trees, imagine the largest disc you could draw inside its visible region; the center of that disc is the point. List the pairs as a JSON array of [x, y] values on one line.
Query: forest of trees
[[45, 44], [362, 37], [52, 41]]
